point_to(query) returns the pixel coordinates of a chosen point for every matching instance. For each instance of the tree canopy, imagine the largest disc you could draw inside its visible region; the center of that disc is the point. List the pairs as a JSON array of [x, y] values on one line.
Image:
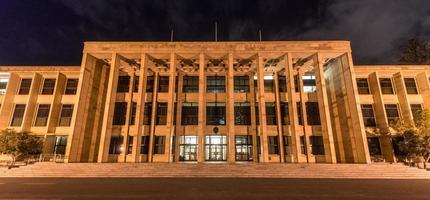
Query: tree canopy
[[19, 144], [415, 51]]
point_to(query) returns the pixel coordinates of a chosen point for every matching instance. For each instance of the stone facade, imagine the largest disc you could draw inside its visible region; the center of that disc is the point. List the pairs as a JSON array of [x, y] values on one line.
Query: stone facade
[[292, 102]]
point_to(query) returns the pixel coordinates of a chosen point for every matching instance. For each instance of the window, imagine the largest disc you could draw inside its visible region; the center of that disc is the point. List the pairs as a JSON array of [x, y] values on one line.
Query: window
[[136, 84], [123, 84], [24, 88], [273, 145], [163, 84], [144, 145], [368, 115], [416, 109], [60, 145], [3, 85], [188, 148], [363, 86], [299, 113], [130, 145], [374, 146], [411, 87], [282, 83], [42, 115], [268, 84], [159, 143], [309, 83], [190, 113], [257, 115], [71, 86], [241, 84], [243, 148], [119, 113], [285, 117], [296, 83], [215, 114], [392, 112], [242, 114], [287, 144], [115, 144], [386, 86], [133, 113], [271, 114], [66, 115], [150, 84], [190, 84], [147, 113], [216, 84], [312, 113], [48, 86], [161, 118], [303, 148], [18, 115], [317, 144]]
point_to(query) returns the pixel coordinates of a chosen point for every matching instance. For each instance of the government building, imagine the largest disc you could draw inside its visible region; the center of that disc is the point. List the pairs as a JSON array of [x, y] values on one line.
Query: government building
[[288, 102]]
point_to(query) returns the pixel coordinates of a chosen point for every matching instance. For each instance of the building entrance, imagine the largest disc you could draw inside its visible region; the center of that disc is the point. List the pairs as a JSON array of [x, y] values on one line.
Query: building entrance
[[188, 148], [215, 148]]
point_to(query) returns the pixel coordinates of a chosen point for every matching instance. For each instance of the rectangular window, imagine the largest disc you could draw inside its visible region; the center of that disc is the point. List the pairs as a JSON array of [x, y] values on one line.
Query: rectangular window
[[150, 84], [392, 112], [215, 84], [241, 84], [115, 144], [242, 113], [190, 84], [312, 113], [268, 85], [363, 86], [416, 109], [188, 148], [123, 84], [299, 113], [163, 84], [119, 113], [303, 149], [374, 146], [60, 145], [71, 86], [287, 144], [3, 85], [24, 88], [42, 115], [48, 86], [144, 145], [18, 115], [368, 115], [130, 145], [273, 145], [147, 113], [215, 114], [284, 113], [159, 143], [257, 115], [317, 144], [282, 83], [161, 118], [190, 113], [309, 83], [243, 148], [133, 113], [411, 86], [66, 115], [136, 84], [271, 114], [296, 83], [386, 86]]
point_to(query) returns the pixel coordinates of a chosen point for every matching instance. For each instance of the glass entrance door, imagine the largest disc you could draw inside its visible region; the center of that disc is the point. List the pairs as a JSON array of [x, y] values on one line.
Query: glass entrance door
[[188, 148], [215, 148]]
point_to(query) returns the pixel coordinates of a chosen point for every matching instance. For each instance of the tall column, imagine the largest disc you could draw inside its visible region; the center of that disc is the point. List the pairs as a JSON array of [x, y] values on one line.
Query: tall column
[[140, 107], [262, 109], [7, 105], [202, 110], [170, 105], [179, 128], [423, 83], [230, 109], [253, 104], [305, 127], [109, 109], [279, 119], [153, 114], [326, 126], [402, 95], [31, 105], [126, 134]]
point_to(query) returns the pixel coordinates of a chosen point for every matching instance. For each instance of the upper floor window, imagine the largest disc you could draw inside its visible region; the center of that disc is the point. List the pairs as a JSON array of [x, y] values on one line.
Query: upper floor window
[[150, 84], [299, 113], [312, 113], [48, 86], [18, 115], [317, 144], [411, 87], [133, 113], [215, 114], [242, 114], [147, 113], [268, 84], [66, 115], [241, 84], [71, 86], [271, 114], [163, 84], [386, 86], [42, 115], [190, 84], [136, 84], [161, 118], [309, 83], [296, 83], [3, 85], [416, 108], [368, 115], [119, 113], [123, 84], [216, 84], [392, 112], [282, 83], [284, 113], [363, 86], [24, 88], [190, 113]]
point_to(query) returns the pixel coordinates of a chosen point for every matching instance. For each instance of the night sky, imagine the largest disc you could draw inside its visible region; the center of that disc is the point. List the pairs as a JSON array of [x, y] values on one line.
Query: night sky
[[51, 32]]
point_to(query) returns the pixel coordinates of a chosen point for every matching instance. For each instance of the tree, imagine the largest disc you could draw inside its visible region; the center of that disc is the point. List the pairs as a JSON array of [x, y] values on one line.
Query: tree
[[416, 137], [415, 51], [18, 144]]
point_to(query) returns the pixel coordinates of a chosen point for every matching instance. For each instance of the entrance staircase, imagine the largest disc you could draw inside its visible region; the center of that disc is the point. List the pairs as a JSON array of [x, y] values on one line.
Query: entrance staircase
[[255, 170]]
